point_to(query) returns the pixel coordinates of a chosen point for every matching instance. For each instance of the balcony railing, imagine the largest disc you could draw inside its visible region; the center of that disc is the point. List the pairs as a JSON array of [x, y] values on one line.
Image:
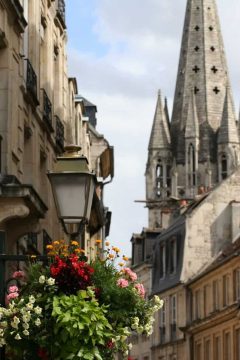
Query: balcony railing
[[31, 82], [173, 331], [47, 110], [59, 134], [162, 334]]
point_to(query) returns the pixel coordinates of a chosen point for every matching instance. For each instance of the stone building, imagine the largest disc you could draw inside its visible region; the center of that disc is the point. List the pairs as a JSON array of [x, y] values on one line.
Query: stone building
[[192, 189], [39, 114]]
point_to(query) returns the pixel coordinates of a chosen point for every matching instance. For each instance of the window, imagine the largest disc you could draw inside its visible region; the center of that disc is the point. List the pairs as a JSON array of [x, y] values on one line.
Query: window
[[237, 344], [163, 323], [173, 317], [197, 304], [227, 346], [207, 350], [226, 289], [162, 261], [215, 290], [224, 170], [0, 153], [237, 284], [198, 351], [159, 180], [206, 299], [191, 166], [217, 348], [173, 255]]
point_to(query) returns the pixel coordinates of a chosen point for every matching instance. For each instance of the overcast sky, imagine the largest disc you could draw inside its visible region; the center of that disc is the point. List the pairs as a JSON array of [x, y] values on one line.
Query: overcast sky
[[122, 52]]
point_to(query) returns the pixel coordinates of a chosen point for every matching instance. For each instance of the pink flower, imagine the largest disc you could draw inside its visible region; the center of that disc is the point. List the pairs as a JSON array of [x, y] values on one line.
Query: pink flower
[[140, 289], [18, 274], [13, 289], [122, 283], [132, 275], [12, 295]]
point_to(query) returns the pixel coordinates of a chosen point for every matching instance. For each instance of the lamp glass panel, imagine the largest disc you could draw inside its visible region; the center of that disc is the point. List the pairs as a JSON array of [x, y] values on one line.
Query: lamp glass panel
[[71, 192]]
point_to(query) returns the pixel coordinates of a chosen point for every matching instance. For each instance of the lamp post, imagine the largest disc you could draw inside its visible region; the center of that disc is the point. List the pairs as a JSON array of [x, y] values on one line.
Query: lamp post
[[73, 187]]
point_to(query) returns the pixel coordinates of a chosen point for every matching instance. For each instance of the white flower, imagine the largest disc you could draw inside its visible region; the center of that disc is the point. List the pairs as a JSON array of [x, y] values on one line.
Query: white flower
[[129, 346], [2, 342], [25, 332], [25, 326], [50, 281], [29, 306], [3, 324], [38, 322], [26, 318], [15, 322], [38, 310], [42, 279], [32, 299], [18, 337], [1, 333]]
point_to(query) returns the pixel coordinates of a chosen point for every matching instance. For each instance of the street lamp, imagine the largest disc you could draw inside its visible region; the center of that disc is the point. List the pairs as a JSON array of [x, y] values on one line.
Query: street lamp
[[73, 187]]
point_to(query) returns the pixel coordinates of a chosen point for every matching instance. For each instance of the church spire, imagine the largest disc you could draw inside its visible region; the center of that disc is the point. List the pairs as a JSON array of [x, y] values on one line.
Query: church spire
[[203, 70], [160, 135], [228, 132]]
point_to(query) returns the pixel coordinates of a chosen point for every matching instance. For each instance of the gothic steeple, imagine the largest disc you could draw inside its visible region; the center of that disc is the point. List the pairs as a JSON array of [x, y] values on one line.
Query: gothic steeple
[[203, 70], [160, 135], [228, 132]]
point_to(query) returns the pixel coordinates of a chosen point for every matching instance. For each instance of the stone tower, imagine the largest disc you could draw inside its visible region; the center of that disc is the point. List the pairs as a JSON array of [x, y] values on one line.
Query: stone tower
[[203, 146]]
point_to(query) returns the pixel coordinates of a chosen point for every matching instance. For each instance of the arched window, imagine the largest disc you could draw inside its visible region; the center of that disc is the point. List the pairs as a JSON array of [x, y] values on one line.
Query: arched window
[[191, 165], [159, 179], [224, 166]]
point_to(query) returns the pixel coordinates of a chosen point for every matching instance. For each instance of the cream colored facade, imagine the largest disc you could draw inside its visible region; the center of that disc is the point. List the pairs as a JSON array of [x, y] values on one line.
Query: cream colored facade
[[38, 116], [213, 332]]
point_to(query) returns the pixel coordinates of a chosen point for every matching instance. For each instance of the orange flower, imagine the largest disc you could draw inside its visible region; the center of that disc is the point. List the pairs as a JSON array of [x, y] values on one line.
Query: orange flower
[[49, 247], [82, 251], [117, 250], [98, 241], [51, 253], [77, 251], [125, 258], [107, 243], [56, 242], [75, 243], [111, 256]]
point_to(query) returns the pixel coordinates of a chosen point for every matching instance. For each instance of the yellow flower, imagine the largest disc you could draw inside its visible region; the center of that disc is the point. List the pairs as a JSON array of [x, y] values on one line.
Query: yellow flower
[[125, 258], [98, 241], [111, 256], [33, 256], [51, 253], [121, 264], [77, 251], [117, 250], [49, 247], [56, 242], [107, 243], [75, 243]]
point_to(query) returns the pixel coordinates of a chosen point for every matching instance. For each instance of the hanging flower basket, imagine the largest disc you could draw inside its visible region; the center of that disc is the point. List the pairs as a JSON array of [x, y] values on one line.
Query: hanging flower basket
[[71, 309]]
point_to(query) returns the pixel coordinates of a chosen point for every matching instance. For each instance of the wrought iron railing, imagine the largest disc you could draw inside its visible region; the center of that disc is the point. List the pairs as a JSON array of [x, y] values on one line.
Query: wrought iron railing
[[173, 331], [4, 258], [31, 82], [47, 109], [59, 134]]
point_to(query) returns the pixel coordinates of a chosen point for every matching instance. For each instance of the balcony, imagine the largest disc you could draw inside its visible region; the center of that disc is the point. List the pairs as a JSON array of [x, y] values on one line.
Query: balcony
[[59, 135], [162, 334], [60, 14], [47, 111], [173, 331], [31, 84]]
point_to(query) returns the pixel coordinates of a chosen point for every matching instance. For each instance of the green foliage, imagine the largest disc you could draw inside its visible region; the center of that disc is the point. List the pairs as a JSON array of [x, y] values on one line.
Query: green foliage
[[81, 327], [124, 303]]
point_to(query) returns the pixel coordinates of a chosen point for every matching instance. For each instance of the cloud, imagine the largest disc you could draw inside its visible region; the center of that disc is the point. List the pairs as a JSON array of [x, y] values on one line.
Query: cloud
[[142, 44]]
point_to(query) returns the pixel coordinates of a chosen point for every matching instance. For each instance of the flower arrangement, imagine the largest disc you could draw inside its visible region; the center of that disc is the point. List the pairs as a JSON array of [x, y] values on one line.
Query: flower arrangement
[[70, 309]]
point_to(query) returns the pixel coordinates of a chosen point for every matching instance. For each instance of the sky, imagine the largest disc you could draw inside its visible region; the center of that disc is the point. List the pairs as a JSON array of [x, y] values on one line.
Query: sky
[[122, 52]]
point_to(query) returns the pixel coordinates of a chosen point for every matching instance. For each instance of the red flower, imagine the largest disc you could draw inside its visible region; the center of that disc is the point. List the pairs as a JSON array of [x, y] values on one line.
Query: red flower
[[42, 353]]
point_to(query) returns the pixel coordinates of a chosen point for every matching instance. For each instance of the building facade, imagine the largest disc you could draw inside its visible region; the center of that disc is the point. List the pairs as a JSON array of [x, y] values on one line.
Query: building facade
[[40, 113], [192, 196]]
